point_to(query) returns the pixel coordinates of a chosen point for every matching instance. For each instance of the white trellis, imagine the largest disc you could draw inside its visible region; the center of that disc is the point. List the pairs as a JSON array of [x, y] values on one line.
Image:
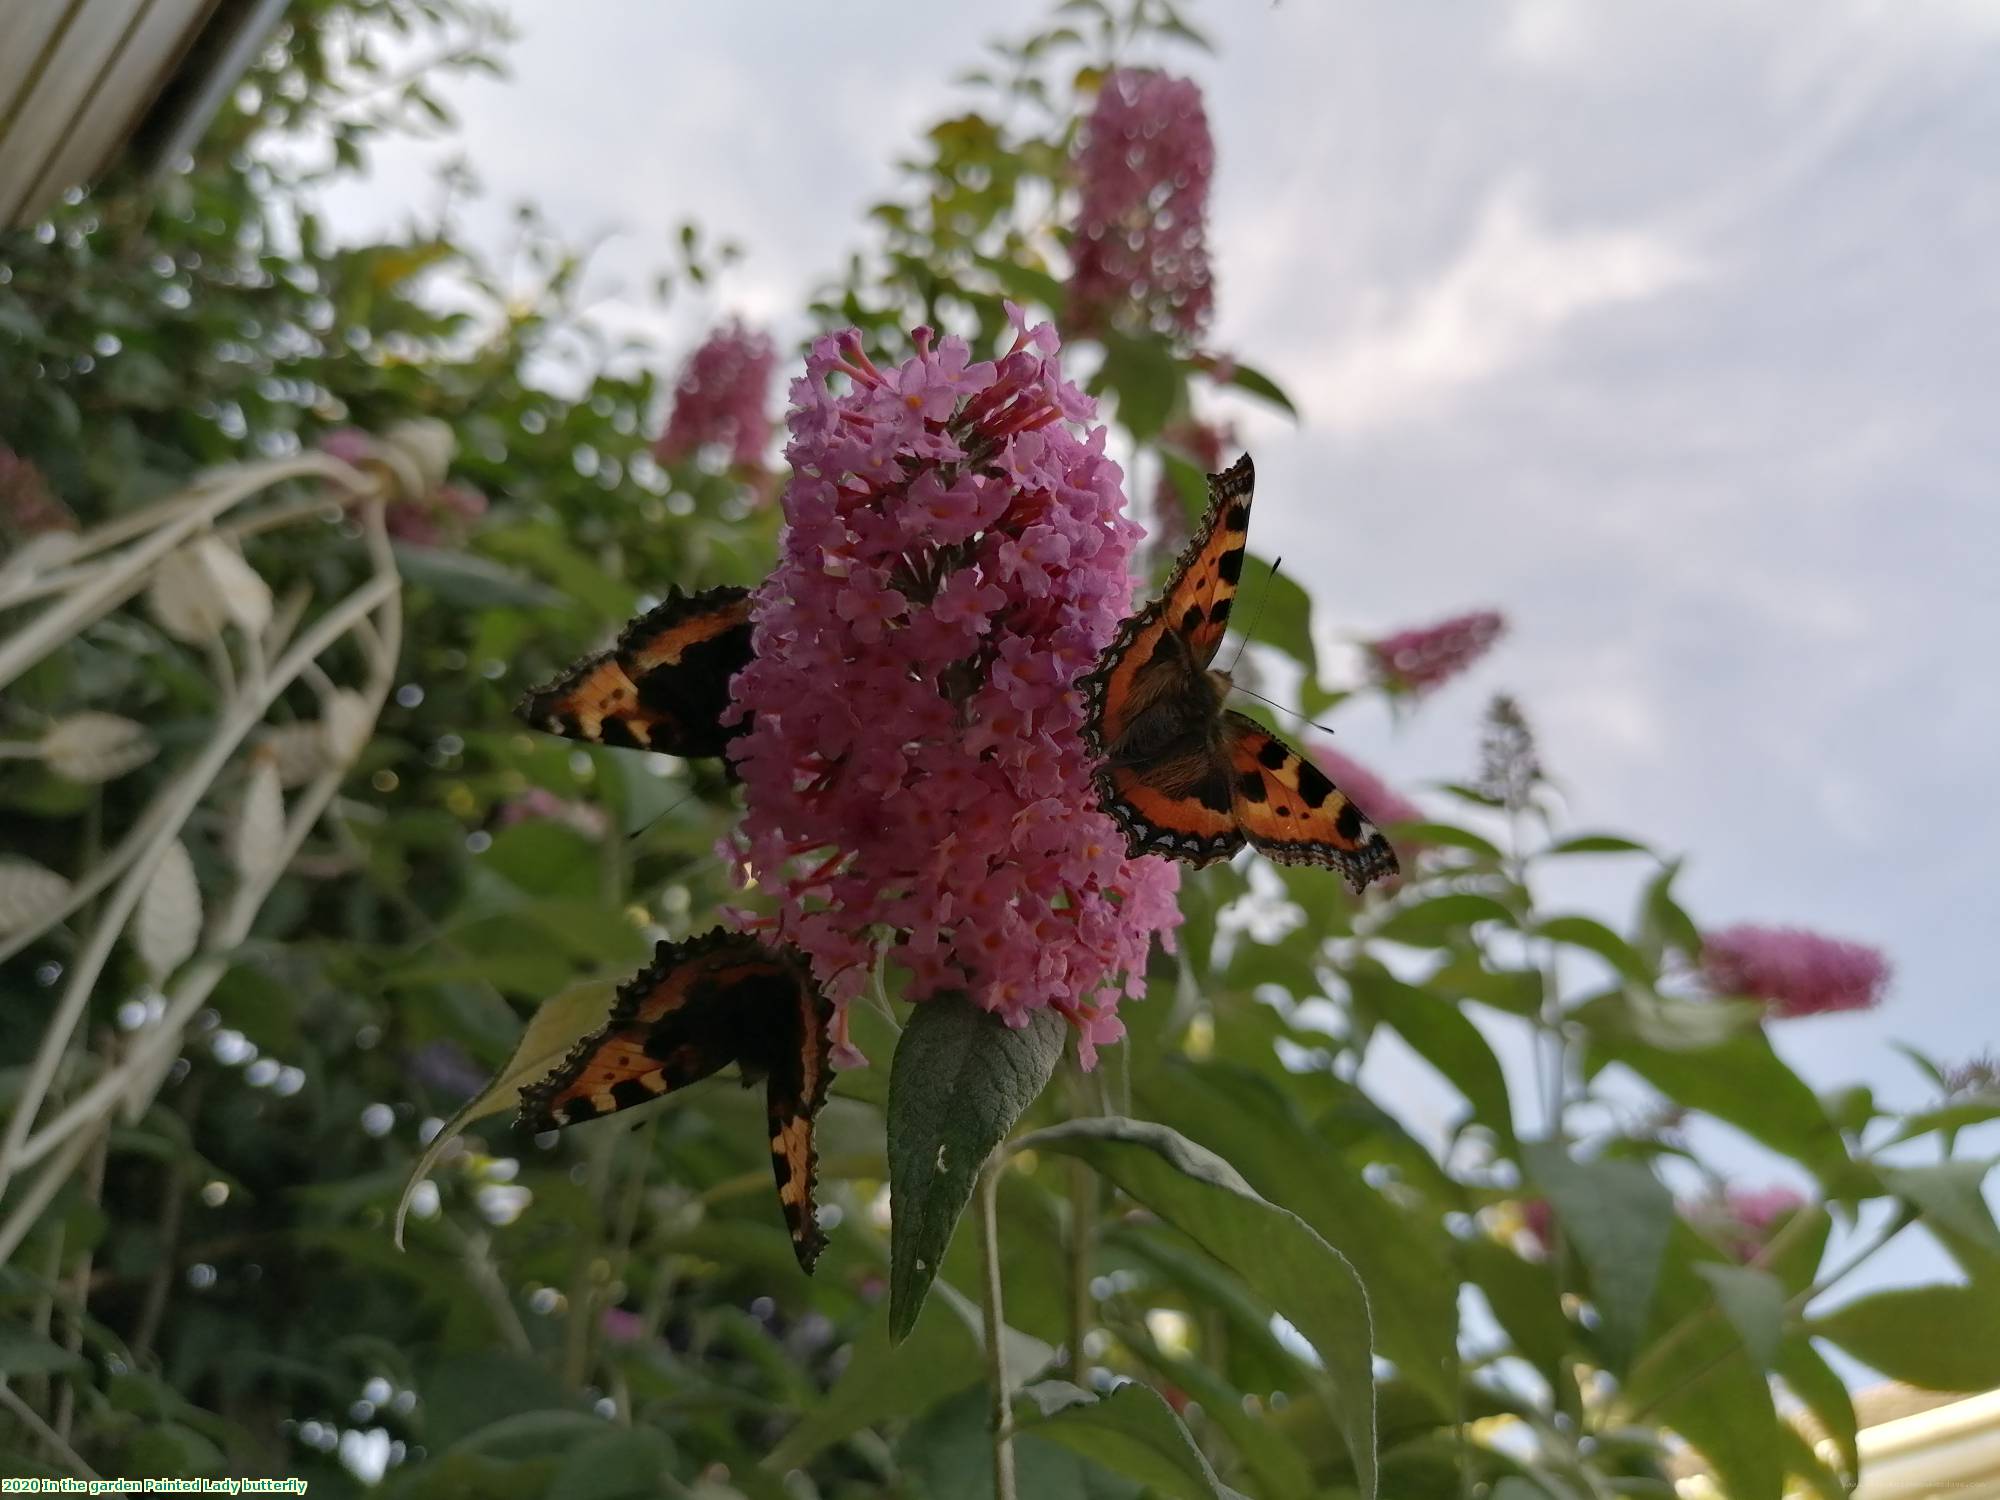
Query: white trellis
[[182, 555]]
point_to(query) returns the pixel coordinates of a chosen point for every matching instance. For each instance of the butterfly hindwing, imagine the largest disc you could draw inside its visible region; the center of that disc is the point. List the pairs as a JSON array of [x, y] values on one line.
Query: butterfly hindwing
[[663, 687], [800, 1069], [699, 1006], [1293, 814]]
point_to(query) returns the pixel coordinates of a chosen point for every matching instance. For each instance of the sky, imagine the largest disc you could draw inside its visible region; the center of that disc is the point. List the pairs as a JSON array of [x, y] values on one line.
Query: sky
[[1665, 328]]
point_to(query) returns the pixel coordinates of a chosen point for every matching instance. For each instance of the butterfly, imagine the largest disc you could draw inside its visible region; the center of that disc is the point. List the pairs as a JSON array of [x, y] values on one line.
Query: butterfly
[[665, 684], [700, 1005], [1180, 774]]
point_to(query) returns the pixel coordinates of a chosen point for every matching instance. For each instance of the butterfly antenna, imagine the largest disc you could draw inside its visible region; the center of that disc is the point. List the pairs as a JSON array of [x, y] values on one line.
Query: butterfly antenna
[[1243, 640], [1294, 713]]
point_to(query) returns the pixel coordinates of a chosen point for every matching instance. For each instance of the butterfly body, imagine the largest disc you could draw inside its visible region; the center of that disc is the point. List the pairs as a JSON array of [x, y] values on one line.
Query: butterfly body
[[1181, 774], [701, 1005]]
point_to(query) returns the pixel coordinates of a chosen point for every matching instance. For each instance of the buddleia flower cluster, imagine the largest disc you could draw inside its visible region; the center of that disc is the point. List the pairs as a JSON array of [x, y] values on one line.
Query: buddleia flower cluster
[[722, 399], [1428, 656], [916, 786], [1144, 161], [1797, 973]]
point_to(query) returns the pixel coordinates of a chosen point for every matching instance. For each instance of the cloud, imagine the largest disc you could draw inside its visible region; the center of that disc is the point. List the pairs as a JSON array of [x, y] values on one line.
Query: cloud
[[1510, 291]]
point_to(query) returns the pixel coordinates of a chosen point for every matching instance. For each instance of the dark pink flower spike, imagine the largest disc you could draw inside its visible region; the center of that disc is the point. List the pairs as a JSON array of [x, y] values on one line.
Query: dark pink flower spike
[[1141, 237], [1415, 661], [953, 557], [1797, 973], [722, 399]]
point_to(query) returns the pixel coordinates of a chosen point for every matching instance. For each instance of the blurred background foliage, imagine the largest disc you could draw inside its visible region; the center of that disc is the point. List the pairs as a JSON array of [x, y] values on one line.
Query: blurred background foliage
[[617, 1313]]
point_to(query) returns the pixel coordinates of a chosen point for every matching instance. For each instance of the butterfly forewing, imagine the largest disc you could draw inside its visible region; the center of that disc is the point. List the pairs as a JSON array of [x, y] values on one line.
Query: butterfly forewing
[[663, 687], [699, 1006]]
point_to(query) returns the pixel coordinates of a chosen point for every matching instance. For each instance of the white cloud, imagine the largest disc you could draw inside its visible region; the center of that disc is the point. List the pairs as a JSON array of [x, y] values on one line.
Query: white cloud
[[1510, 291]]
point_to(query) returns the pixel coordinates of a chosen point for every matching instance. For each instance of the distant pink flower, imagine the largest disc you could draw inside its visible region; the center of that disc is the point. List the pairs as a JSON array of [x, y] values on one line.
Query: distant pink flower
[[1799, 973], [435, 520], [27, 506], [722, 399], [1742, 1220], [621, 1326], [1415, 661], [1144, 160], [1379, 801], [1538, 1224], [539, 803], [953, 558]]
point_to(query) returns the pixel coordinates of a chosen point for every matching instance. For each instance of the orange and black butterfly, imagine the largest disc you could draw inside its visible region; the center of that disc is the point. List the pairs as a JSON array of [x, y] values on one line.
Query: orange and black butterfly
[[700, 1005], [665, 684], [1180, 774]]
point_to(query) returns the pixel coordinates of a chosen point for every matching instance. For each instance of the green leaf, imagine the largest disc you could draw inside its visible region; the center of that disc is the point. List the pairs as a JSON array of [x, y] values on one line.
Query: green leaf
[[623, 1464], [1255, 1123], [1743, 1081], [471, 581], [960, 1080], [562, 1021], [1592, 935], [1754, 1304], [1276, 1253], [1143, 375], [887, 1378], [1594, 843], [1824, 1393], [1525, 1298], [1245, 378], [1440, 920], [1943, 1338], [1133, 1431], [1278, 612], [1618, 1217], [1439, 1033], [26, 1353], [1951, 1197], [1449, 836]]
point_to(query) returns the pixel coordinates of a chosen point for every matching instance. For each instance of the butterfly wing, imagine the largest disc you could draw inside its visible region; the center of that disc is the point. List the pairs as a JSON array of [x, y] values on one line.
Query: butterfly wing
[[1293, 814], [675, 1022], [799, 1065], [663, 687], [1180, 804]]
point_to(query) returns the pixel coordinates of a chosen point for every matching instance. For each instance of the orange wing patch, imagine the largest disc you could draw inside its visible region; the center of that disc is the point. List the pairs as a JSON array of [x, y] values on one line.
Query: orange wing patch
[[663, 687], [1198, 597], [699, 1006], [1180, 807], [1293, 814]]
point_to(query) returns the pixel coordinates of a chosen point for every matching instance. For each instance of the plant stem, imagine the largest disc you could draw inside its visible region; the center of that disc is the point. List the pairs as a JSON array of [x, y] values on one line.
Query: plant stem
[[996, 1333]]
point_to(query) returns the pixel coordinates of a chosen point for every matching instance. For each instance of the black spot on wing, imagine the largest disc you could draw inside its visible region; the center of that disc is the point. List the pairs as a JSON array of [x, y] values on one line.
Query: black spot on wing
[[579, 1109], [1230, 566], [1191, 621], [1220, 614], [1250, 786], [1212, 792], [1348, 824], [1313, 785], [617, 732], [1238, 518], [1273, 756], [627, 1092]]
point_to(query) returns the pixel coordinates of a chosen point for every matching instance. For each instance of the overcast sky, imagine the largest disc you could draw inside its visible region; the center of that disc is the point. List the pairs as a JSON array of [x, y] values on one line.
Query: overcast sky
[[1667, 328]]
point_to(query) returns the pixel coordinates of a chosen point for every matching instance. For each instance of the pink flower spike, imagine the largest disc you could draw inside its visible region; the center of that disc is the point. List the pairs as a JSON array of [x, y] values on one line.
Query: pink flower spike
[[1140, 240], [915, 772], [720, 399], [1798, 973], [1415, 661]]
